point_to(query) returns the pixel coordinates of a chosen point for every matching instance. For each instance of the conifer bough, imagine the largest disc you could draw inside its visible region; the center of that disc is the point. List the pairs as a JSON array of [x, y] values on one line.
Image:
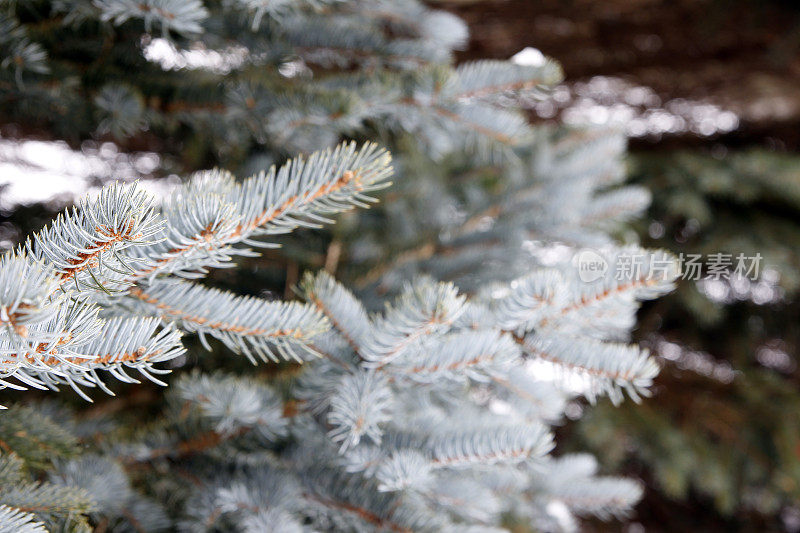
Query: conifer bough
[[389, 419], [117, 252], [433, 414]]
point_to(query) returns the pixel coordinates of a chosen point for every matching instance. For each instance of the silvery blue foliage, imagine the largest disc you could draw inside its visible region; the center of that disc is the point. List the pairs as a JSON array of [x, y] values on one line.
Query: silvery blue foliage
[[359, 406], [110, 489], [402, 83], [430, 415], [424, 399], [31, 505], [19, 53], [449, 428], [248, 325], [182, 16], [560, 195], [14, 521], [124, 108], [74, 301]]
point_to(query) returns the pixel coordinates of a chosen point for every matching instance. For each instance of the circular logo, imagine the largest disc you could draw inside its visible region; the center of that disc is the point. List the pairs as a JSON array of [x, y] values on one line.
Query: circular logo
[[591, 266]]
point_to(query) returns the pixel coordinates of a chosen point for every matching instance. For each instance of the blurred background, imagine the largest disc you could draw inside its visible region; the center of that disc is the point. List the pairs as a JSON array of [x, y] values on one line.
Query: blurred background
[[708, 92]]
